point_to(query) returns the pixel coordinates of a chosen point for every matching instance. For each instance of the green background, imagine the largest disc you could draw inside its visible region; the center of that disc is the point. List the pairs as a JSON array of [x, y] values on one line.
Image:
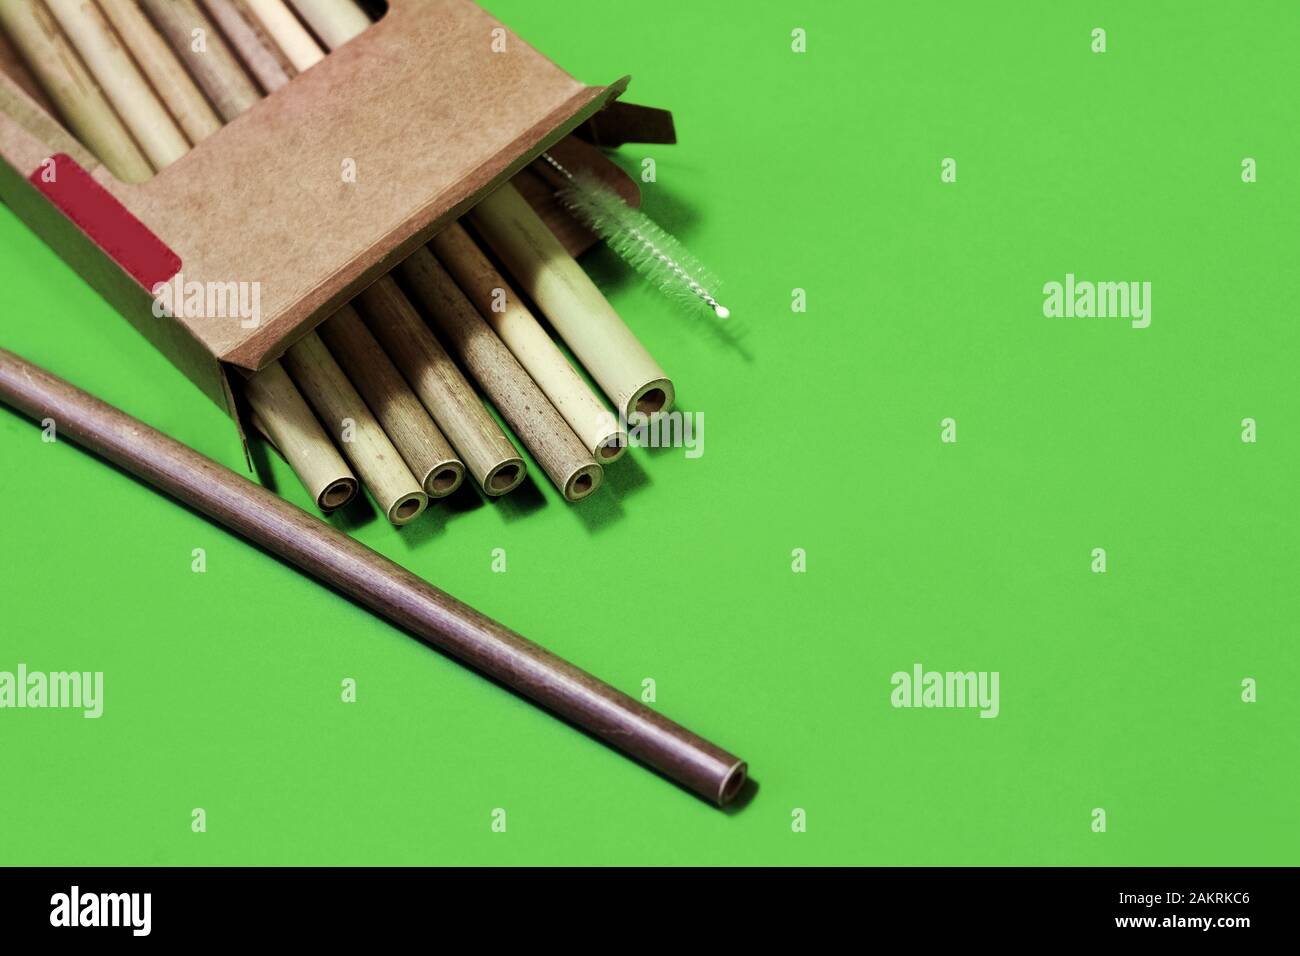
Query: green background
[[817, 171]]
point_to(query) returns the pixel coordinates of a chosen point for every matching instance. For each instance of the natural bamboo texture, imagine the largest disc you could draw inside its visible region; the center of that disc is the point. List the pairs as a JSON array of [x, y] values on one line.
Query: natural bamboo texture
[[491, 459], [403, 416], [281, 413], [197, 119], [530, 344], [67, 82], [122, 82], [334, 21], [516, 396], [11, 64], [390, 481], [279, 22], [405, 420], [577, 310], [254, 49], [428, 614], [246, 12], [40, 118], [209, 59], [350, 422]]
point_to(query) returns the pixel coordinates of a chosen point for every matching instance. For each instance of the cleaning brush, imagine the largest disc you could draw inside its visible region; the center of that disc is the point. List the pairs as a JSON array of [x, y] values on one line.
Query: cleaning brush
[[637, 238]]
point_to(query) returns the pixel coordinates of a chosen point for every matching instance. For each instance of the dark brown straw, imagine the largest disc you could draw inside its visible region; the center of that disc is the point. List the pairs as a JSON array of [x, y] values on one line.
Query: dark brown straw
[[386, 588]]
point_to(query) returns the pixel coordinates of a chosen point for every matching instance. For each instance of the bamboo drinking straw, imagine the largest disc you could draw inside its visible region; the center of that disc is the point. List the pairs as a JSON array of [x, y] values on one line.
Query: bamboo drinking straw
[[309, 363], [66, 81], [157, 61], [291, 36], [258, 52], [494, 462], [482, 446], [552, 278], [123, 84], [631, 379], [590, 420], [246, 13], [334, 21], [359, 434], [280, 411], [516, 396], [39, 116], [428, 614], [11, 64], [404, 419], [281, 414], [199, 44]]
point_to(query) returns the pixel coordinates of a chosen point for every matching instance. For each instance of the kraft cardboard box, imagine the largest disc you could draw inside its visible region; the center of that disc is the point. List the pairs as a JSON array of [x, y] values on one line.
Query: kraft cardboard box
[[323, 186]]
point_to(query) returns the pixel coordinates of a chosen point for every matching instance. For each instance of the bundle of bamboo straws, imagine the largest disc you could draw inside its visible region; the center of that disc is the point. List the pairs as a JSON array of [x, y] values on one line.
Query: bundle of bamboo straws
[[384, 383]]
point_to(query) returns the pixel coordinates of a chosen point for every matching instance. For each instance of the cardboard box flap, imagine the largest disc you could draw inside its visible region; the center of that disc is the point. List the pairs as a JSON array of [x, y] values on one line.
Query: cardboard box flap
[[383, 142], [317, 190], [629, 123]]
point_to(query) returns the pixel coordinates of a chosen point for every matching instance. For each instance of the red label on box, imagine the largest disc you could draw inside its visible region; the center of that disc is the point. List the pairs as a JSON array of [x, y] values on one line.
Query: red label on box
[[106, 221]]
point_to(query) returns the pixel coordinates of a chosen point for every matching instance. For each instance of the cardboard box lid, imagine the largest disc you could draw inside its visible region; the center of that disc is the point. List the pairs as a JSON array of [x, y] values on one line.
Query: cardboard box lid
[[432, 119]]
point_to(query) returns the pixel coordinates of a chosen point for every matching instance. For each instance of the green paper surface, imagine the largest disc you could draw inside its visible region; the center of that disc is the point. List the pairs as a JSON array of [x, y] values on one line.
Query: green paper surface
[[817, 171]]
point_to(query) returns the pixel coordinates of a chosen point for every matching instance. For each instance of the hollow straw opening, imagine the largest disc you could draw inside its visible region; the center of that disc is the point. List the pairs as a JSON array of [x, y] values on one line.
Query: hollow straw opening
[[337, 494], [612, 448], [655, 396], [652, 401], [408, 508], [504, 478], [732, 784], [582, 483], [444, 481]]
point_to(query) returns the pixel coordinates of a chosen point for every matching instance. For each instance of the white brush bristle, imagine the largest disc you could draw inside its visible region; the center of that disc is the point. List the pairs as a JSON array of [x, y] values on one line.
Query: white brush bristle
[[637, 238]]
